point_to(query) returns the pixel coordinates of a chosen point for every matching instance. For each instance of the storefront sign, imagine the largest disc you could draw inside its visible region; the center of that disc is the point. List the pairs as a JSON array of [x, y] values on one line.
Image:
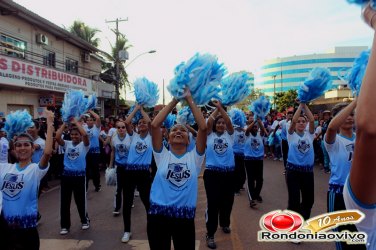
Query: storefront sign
[[18, 73]]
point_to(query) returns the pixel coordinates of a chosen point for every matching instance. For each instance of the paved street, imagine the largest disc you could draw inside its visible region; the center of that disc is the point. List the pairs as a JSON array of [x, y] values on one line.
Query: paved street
[[106, 231]]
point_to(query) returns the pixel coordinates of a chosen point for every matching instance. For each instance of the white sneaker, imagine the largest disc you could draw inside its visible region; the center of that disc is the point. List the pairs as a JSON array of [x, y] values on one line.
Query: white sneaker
[[64, 231], [126, 237], [136, 193], [85, 226], [295, 241]]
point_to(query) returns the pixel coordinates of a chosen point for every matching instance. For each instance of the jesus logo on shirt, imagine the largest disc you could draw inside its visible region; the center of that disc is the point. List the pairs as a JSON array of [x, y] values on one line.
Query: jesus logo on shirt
[[141, 147], [178, 174], [220, 145], [303, 146], [73, 153], [12, 184]]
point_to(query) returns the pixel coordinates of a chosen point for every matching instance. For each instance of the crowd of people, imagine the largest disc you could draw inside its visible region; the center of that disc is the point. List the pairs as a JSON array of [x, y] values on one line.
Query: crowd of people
[[164, 164]]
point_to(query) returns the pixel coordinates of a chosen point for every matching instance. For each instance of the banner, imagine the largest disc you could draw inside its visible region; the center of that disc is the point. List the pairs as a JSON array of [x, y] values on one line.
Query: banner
[[19, 73]]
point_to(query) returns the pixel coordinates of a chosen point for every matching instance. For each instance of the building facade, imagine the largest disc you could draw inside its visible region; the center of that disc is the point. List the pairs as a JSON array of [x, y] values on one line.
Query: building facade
[[283, 74], [39, 62]]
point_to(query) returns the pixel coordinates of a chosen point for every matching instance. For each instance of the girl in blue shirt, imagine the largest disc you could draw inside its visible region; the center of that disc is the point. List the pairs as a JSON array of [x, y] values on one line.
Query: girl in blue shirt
[[173, 194], [300, 161], [74, 175], [20, 183], [137, 170], [254, 160], [219, 173]]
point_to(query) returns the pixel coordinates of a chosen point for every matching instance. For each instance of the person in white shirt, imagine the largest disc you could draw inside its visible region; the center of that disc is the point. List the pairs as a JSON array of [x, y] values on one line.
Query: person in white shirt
[[4, 147]]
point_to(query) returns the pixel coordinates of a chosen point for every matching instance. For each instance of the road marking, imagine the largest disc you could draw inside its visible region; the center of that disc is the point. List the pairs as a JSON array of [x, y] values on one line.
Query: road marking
[[58, 244]]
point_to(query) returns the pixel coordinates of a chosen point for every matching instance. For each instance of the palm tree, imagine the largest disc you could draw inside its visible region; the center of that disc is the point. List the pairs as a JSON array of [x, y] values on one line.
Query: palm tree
[[85, 32], [110, 68]]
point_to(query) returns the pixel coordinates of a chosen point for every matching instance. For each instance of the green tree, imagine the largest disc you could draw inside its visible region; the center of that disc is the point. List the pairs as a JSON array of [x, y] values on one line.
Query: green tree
[[109, 69], [283, 100], [255, 94], [85, 32]]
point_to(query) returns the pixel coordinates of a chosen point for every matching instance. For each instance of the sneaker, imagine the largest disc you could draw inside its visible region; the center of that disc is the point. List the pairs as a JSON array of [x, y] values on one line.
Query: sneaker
[[259, 199], [210, 242], [85, 226], [226, 230], [275, 159], [252, 203], [295, 241], [126, 237], [116, 212], [97, 189], [242, 189], [327, 171], [132, 205], [281, 159], [237, 193], [64, 231], [284, 172]]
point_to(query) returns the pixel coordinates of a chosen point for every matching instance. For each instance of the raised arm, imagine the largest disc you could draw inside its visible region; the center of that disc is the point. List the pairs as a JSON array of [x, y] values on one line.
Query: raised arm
[[96, 117], [199, 118], [43, 163], [156, 134], [229, 127], [363, 172], [59, 133], [337, 121], [262, 128], [311, 119], [211, 120], [192, 130], [128, 121], [249, 128], [295, 119], [145, 116]]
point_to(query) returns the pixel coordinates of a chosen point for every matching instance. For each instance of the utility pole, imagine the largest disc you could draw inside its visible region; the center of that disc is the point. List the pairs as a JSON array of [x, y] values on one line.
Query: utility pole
[[274, 76], [117, 62], [163, 93]]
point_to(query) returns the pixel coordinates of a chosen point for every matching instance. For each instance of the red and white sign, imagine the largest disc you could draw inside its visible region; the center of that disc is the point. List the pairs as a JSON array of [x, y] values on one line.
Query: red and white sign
[[19, 73]]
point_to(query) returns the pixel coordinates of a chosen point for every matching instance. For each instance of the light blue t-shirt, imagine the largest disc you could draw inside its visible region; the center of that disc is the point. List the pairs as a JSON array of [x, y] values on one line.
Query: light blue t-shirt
[[37, 155], [174, 190], [121, 147], [341, 156], [19, 188], [301, 152], [239, 140], [254, 147], [140, 153], [93, 134], [74, 159], [219, 152]]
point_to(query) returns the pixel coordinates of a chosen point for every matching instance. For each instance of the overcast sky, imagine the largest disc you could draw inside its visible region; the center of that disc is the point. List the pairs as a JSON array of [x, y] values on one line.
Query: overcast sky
[[242, 33]]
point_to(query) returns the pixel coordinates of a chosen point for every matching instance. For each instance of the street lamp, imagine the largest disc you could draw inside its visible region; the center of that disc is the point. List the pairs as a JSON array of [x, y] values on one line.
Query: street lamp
[[147, 52]]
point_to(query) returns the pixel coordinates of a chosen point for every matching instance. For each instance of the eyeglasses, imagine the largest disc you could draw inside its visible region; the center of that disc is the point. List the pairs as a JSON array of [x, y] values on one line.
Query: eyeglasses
[[123, 127]]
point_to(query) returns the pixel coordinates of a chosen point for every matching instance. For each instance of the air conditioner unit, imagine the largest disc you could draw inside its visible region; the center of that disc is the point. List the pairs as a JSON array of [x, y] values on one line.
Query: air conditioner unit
[[42, 39], [86, 57]]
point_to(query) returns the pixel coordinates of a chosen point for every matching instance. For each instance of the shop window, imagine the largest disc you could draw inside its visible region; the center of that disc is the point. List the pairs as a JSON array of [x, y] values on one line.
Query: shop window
[[71, 65], [49, 58], [12, 47]]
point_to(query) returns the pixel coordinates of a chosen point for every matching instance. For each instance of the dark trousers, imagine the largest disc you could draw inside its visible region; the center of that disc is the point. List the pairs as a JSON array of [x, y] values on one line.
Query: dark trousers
[[92, 170], [219, 188], [335, 202], [22, 239], [255, 172], [300, 183], [131, 179], [161, 229], [4, 233], [239, 172], [119, 187], [75, 185], [285, 151]]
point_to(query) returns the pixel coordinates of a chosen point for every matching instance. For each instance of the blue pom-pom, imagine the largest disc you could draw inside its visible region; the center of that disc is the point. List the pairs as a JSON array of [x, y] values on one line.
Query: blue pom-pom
[[185, 116], [275, 139], [355, 75], [169, 121], [235, 88], [136, 116], [91, 102], [360, 2], [261, 107], [17, 122], [202, 74], [318, 81], [237, 117], [74, 105], [146, 92]]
